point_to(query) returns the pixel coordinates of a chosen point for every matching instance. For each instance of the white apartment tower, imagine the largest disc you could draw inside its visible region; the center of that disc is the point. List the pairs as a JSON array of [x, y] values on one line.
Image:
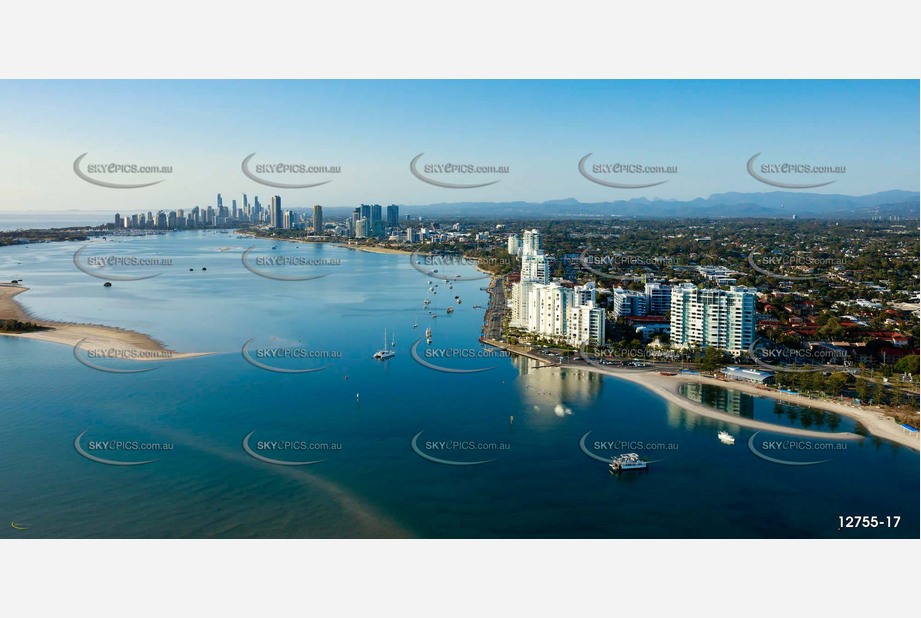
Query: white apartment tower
[[548, 308], [713, 317], [514, 244]]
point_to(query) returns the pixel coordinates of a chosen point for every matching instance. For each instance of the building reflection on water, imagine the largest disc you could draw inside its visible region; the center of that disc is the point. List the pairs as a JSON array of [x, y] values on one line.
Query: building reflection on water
[[730, 401], [551, 392]]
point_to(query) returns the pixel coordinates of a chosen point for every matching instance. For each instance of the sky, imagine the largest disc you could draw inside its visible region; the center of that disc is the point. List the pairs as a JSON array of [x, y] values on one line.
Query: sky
[[540, 130]]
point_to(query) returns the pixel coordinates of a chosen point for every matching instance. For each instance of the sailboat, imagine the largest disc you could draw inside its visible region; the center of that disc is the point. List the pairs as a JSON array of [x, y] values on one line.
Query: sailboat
[[386, 352]]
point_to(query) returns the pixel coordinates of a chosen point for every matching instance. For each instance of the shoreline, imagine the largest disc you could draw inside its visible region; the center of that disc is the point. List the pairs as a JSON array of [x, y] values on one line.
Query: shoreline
[[90, 337], [334, 243], [667, 387], [385, 250]]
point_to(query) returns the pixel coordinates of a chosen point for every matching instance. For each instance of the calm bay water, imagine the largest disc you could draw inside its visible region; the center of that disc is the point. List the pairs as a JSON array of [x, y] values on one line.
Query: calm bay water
[[542, 485]]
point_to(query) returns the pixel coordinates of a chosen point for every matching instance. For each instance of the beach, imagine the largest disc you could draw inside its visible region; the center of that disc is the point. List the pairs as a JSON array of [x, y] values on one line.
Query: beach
[[668, 387], [373, 249], [91, 337]]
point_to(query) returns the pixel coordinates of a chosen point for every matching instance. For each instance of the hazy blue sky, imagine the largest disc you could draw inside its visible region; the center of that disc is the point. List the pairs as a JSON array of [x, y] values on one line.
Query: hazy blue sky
[[372, 129]]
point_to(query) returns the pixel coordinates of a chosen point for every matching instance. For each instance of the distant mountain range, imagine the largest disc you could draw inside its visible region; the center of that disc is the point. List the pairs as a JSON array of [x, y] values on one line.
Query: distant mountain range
[[775, 204]]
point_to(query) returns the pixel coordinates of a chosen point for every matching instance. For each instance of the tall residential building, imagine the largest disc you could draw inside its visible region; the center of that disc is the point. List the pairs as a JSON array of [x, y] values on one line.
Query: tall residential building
[[531, 243], [558, 312], [586, 325], [377, 221], [361, 228], [713, 317], [514, 244], [220, 201], [275, 212], [317, 219], [627, 302], [118, 221], [658, 298], [393, 216], [550, 309], [585, 293], [535, 268]]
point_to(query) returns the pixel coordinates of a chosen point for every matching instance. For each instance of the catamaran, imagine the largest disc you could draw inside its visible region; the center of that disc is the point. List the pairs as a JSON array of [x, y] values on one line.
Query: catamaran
[[385, 353]]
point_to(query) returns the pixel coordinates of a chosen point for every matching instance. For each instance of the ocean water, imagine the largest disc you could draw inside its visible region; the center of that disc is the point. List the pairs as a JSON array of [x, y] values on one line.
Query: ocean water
[[371, 482], [36, 220]]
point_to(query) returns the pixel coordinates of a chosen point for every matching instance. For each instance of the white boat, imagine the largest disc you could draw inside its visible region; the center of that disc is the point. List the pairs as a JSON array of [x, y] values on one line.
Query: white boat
[[725, 438], [428, 335], [386, 352], [415, 325], [627, 461], [450, 310]]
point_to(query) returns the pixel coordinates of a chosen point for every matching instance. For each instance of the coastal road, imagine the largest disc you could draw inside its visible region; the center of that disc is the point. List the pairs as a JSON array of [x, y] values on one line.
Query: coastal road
[[495, 310]]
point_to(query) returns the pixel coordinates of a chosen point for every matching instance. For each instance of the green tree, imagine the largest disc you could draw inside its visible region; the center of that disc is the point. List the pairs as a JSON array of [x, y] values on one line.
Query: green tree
[[712, 359], [836, 383], [909, 364]]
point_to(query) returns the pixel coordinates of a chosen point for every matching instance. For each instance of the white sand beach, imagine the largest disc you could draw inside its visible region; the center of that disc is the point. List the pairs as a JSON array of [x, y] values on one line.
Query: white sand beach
[[668, 387], [91, 337]]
